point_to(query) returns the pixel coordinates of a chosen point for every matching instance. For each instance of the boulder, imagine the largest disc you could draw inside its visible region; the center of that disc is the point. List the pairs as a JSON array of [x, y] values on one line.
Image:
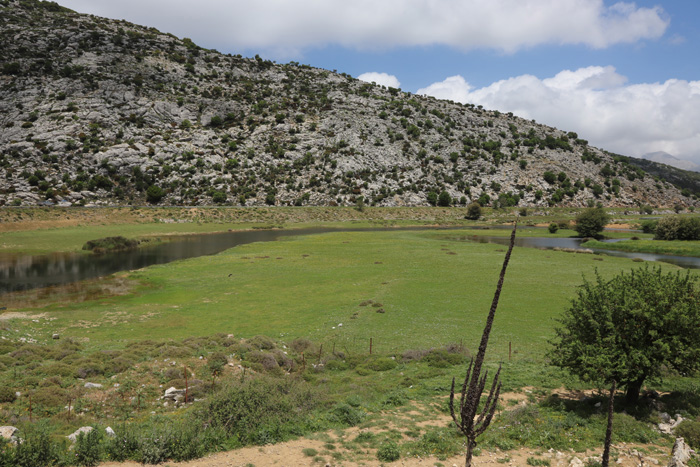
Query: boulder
[[110, 432], [174, 394], [681, 454], [93, 385], [83, 429], [8, 432]]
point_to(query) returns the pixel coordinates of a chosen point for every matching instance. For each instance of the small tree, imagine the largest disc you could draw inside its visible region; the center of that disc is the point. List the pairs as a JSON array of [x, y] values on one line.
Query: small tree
[[631, 329], [591, 222], [473, 211], [444, 199], [154, 194]]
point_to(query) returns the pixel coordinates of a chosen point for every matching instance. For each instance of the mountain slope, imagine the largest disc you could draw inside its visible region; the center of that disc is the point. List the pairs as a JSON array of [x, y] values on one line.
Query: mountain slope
[[101, 111]]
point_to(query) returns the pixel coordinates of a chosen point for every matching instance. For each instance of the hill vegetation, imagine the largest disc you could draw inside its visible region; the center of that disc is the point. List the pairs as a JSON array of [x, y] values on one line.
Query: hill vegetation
[[98, 111]]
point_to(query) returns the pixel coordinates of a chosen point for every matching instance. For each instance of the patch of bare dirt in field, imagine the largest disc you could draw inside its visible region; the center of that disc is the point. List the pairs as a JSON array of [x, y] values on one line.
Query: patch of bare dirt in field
[[291, 454]]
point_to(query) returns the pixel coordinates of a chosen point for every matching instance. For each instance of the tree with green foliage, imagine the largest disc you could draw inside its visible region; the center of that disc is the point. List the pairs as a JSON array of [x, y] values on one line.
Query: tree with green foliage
[[677, 228], [432, 198], [473, 211], [591, 222], [154, 194], [444, 199], [631, 329]]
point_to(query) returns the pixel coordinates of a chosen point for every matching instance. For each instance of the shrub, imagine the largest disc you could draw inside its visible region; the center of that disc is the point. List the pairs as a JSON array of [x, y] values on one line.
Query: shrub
[[678, 228], [37, 448], [553, 227], [347, 415], [88, 448], [690, 431], [591, 222], [473, 211], [388, 452], [7, 394], [444, 199], [649, 225], [154, 194], [260, 410], [381, 364]]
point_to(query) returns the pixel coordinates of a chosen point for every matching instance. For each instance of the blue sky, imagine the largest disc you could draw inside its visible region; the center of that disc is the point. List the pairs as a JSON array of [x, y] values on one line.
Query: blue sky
[[624, 75]]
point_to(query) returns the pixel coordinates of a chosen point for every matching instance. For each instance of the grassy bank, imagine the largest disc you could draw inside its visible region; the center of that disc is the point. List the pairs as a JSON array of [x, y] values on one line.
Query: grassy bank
[[661, 247]]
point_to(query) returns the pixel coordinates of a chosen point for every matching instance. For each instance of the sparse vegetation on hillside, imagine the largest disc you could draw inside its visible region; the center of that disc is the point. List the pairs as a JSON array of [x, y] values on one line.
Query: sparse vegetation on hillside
[[136, 116]]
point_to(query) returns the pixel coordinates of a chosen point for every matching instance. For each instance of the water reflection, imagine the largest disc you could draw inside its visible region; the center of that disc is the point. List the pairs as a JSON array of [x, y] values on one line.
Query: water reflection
[[687, 262], [25, 272]]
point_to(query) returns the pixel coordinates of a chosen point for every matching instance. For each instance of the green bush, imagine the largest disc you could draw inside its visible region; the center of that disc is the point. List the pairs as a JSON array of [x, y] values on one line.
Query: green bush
[[388, 452], [260, 410], [154, 194], [37, 448], [7, 394], [347, 415], [473, 211], [690, 431], [553, 227], [88, 448], [381, 364], [591, 222], [678, 228]]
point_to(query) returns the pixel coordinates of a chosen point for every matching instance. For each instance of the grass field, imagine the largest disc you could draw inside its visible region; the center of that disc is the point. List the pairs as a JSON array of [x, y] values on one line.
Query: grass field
[[406, 290], [432, 291]]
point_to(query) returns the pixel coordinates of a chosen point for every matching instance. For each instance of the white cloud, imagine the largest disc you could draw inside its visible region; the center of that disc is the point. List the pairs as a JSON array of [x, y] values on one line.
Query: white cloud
[[291, 26], [630, 119], [380, 78]]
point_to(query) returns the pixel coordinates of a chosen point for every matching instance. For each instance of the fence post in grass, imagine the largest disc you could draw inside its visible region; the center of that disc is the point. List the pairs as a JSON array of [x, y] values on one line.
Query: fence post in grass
[[320, 352], [510, 348], [186, 385], [303, 361], [370, 346], [474, 382]]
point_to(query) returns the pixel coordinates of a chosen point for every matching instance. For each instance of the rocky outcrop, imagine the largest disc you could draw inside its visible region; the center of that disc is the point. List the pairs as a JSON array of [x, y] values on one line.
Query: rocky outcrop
[[681, 454], [95, 111]]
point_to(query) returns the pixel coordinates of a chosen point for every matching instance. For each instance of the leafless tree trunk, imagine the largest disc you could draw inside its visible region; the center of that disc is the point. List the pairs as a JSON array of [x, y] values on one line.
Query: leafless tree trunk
[[474, 382]]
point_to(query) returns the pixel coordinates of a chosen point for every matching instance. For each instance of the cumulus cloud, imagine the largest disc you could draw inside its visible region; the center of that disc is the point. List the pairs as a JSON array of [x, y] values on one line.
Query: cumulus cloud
[[283, 25], [596, 102], [380, 78]]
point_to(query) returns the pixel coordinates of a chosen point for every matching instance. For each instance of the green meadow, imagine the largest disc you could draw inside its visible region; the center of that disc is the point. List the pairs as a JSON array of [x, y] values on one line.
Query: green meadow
[[425, 290], [274, 310]]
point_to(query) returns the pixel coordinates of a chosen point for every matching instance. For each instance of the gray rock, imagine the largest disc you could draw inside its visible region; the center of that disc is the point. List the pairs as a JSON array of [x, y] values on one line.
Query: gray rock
[[681, 454], [55, 336], [84, 429], [110, 432], [93, 385], [174, 394], [8, 432]]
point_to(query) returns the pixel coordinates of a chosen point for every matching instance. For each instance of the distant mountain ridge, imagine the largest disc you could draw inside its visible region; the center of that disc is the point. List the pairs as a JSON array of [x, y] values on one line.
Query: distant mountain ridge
[[98, 111], [665, 158]]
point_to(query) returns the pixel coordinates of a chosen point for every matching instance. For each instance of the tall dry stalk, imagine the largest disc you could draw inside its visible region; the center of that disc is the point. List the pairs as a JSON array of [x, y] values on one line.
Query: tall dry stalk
[[474, 382]]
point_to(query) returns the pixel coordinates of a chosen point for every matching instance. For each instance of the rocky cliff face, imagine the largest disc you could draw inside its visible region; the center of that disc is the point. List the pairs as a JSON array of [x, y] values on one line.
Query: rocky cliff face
[[106, 112]]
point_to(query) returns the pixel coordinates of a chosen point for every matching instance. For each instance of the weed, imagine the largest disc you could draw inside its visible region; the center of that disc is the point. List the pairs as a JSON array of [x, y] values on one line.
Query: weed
[[309, 452], [535, 462], [388, 452]]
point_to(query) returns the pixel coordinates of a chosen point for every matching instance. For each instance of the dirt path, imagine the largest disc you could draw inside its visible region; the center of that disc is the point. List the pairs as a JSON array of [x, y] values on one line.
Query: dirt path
[[291, 454]]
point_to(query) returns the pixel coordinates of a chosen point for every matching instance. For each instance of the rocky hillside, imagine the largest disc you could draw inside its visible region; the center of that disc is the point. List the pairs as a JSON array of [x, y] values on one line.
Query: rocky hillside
[[97, 111]]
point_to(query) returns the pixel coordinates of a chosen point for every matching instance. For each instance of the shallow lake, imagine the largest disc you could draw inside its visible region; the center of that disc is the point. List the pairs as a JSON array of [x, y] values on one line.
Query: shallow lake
[[24, 272]]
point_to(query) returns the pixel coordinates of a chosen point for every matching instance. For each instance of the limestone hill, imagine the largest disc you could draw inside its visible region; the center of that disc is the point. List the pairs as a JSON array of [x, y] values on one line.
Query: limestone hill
[[98, 111]]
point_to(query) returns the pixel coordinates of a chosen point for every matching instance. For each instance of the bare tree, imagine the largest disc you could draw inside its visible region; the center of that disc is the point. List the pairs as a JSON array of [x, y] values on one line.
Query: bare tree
[[474, 382]]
